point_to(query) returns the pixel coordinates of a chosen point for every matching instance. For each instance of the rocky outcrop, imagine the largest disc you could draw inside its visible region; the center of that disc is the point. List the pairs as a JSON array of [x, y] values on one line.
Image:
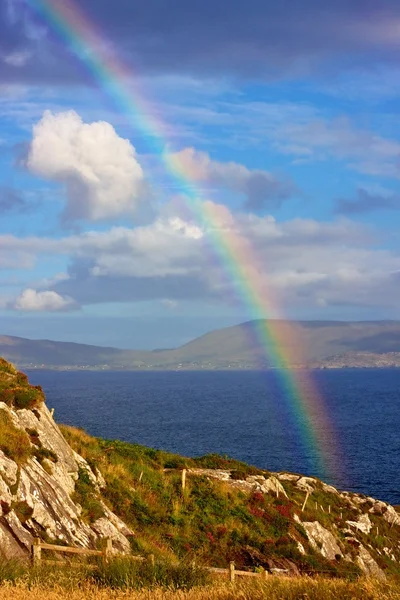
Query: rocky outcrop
[[338, 538], [252, 483], [36, 496], [322, 540], [368, 564]]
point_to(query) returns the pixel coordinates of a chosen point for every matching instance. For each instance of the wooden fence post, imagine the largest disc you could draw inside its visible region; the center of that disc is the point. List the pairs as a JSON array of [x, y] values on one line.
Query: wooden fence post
[[305, 501], [264, 574], [107, 549], [36, 552], [151, 559], [183, 479], [232, 571]]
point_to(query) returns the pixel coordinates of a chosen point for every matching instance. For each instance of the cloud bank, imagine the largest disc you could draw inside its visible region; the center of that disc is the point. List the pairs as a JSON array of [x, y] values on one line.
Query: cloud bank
[[246, 39], [305, 263]]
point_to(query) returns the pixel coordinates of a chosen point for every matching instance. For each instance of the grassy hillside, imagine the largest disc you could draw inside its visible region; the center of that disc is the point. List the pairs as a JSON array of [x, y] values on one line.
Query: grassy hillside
[[213, 521], [314, 343]]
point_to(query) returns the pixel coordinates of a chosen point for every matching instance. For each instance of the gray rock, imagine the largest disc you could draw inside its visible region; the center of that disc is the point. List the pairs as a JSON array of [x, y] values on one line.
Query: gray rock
[[322, 540], [368, 565], [45, 497], [363, 524]]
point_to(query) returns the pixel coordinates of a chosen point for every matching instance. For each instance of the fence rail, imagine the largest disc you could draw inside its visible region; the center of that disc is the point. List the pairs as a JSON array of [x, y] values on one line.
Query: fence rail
[[230, 572], [105, 553], [38, 546]]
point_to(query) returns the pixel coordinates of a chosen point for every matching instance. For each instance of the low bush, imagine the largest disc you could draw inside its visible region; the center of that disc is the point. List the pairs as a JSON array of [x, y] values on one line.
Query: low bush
[[27, 397], [85, 495], [7, 367], [41, 453], [14, 442]]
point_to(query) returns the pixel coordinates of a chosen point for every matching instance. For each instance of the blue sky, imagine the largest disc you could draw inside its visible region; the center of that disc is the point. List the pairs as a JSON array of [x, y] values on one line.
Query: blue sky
[[286, 116]]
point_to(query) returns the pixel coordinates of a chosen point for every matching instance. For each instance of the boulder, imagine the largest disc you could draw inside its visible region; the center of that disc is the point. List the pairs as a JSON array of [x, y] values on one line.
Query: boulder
[[368, 565], [322, 540], [363, 524]]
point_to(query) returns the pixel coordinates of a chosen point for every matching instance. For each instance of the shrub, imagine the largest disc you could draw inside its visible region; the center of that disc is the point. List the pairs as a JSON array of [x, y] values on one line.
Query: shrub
[[14, 442], [85, 495], [34, 436], [42, 453], [7, 367], [21, 378], [7, 396], [28, 397]]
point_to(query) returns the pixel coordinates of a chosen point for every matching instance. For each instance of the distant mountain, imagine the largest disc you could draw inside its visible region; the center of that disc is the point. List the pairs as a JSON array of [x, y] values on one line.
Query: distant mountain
[[251, 345]]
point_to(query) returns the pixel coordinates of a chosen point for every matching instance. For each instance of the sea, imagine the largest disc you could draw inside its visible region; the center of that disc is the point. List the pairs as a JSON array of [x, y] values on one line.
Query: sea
[[242, 414]]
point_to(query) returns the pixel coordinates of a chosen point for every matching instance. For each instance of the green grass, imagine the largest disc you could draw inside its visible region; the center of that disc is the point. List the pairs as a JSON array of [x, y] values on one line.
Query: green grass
[[210, 521], [86, 495]]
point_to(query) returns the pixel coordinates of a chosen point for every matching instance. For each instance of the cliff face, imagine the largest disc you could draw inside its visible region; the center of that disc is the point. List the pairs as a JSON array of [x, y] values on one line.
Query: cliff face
[[40, 475]]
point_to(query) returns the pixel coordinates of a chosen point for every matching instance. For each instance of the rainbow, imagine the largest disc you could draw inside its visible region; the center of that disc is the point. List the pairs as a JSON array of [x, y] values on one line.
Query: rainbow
[[276, 337]]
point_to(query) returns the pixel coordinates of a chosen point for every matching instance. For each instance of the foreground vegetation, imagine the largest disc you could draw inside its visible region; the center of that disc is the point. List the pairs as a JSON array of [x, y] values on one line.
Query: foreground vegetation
[[124, 579], [276, 588]]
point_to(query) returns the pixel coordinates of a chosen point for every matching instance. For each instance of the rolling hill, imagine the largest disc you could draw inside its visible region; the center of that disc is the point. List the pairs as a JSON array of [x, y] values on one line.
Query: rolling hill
[[308, 343]]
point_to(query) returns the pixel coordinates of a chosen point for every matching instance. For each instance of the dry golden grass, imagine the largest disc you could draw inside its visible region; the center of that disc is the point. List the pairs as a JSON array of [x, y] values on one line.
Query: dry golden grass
[[275, 588]]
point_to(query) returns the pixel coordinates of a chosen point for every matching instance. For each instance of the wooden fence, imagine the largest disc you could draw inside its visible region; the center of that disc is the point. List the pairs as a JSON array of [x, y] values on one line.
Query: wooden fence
[[106, 552], [38, 546]]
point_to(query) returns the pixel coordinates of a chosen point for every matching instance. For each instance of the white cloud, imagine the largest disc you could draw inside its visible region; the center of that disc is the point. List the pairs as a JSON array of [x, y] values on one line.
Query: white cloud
[[261, 189], [47, 301], [100, 171], [306, 264]]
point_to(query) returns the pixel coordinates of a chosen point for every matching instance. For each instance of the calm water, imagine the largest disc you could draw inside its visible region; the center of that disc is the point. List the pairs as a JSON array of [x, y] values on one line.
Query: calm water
[[242, 414]]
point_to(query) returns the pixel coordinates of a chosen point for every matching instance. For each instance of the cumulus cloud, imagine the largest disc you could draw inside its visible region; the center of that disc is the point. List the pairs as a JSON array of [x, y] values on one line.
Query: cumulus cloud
[[260, 188], [367, 201], [100, 171], [43, 301]]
